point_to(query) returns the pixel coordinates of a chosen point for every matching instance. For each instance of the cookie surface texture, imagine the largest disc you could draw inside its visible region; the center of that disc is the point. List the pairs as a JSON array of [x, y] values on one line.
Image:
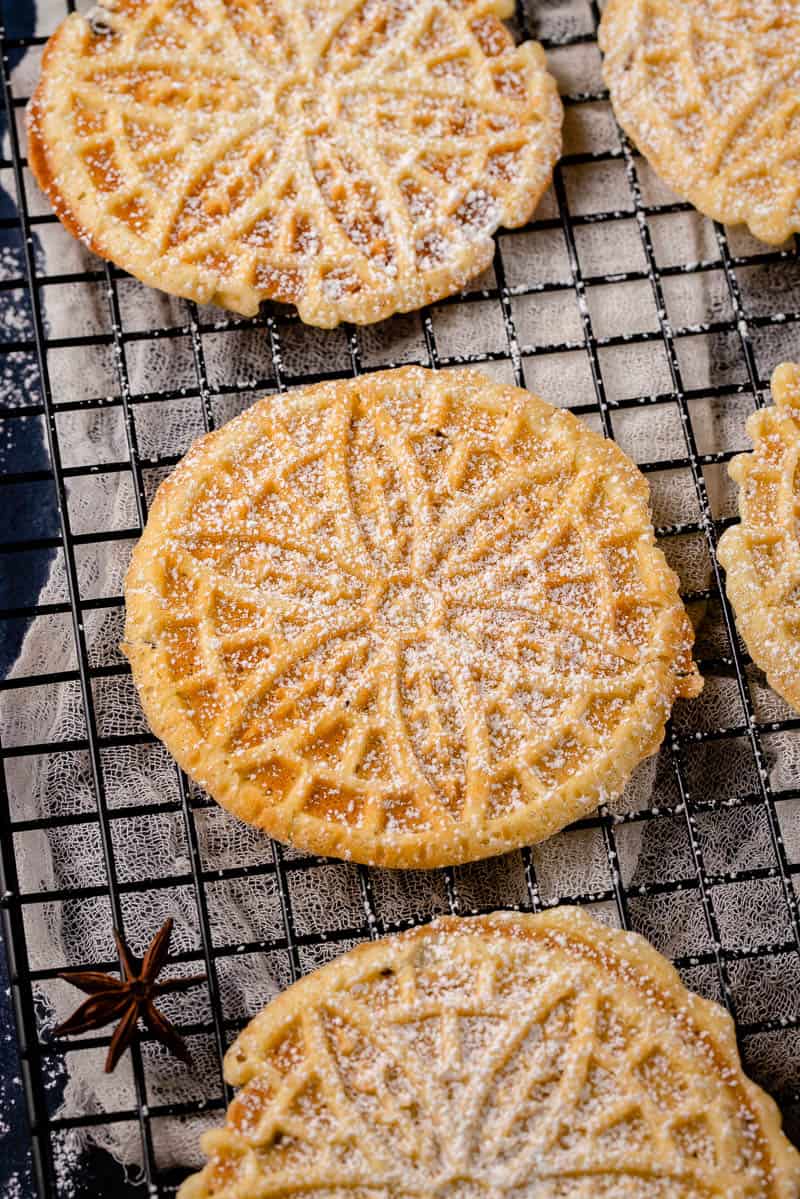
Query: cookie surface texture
[[761, 555], [351, 157], [543, 1056], [414, 618], [709, 91]]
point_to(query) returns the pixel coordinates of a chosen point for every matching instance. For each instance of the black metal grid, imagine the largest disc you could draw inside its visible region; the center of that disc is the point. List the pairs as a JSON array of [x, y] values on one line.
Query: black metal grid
[[742, 353]]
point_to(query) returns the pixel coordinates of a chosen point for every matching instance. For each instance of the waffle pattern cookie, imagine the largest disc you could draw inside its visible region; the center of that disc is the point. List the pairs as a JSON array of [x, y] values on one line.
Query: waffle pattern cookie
[[352, 157], [543, 1056], [414, 619], [761, 555], [709, 90]]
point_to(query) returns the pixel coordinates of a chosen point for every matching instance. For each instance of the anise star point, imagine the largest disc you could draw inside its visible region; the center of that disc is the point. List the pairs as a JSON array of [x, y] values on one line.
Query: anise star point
[[129, 998]]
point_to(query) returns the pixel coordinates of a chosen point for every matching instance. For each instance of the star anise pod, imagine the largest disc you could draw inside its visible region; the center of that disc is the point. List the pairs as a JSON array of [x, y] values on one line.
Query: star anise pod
[[129, 998]]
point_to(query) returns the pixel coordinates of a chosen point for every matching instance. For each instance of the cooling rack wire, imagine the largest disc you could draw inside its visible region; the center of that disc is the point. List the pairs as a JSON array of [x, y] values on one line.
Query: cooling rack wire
[[652, 324]]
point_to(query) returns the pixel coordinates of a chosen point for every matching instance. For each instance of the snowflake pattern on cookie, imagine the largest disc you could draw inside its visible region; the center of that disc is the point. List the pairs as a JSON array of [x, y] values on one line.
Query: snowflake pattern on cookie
[[761, 555], [413, 618], [509, 1055], [352, 159], [709, 90]]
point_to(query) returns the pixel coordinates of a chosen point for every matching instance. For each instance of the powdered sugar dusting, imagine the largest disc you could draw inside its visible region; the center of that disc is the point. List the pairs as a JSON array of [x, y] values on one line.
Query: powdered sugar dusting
[[412, 613], [353, 160], [710, 91], [762, 555], [508, 1055]]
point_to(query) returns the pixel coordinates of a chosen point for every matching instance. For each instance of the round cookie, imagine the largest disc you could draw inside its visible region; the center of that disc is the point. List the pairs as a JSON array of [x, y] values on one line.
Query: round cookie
[[352, 158], [709, 90], [761, 555], [413, 619], [544, 1056]]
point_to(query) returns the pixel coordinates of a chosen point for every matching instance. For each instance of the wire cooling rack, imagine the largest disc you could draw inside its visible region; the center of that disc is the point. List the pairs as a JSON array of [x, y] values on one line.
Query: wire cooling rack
[[617, 301]]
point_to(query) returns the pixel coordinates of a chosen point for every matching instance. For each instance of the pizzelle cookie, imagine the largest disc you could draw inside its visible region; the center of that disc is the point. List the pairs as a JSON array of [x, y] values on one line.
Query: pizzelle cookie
[[761, 555], [709, 90], [415, 618], [352, 158], [543, 1056]]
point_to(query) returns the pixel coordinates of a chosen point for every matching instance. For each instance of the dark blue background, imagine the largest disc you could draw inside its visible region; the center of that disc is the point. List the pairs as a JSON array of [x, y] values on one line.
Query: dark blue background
[[30, 513]]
